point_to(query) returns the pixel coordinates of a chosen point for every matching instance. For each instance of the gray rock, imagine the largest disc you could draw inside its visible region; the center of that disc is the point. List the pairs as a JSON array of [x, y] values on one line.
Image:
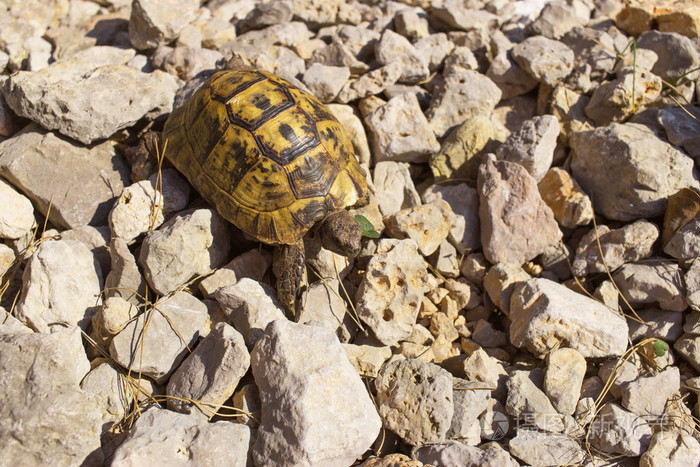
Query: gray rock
[[658, 324], [61, 286], [155, 22], [69, 96], [652, 282], [367, 359], [692, 285], [445, 260], [315, 410], [185, 62], [105, 388], [162, 436], [60, 426], [411, 23], [434, 49], [338, 54], [250, 306], [563, 378], [624, 245], [108, 321], [174, 325], [394, 189], [252, 264], [400, 132], [389, 296], [529, 404], [618, 431], [546, 60], [124, 279], [617, 373], [685, 242], [682, 128], [569, 107], [479, 366], [11, 325], [192, 243], [16, 214], [677, 54], [510, 77], [324, 306], [455, 453], [461, 96], [556, 19], [533, 145], [516, 225], [688, 347], [540, 449], [545, 313], [393, 47], [671, 449], [267, 14], [470, 401], [210, 373], [648, 395], [462, 18], [464, 203], [628, 171], [324, 81], [415, 400], [79, 183]]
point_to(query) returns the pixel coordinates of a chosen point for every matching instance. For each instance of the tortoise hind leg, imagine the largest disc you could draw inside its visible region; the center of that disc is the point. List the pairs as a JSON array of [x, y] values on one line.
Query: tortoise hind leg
[[291, 270]]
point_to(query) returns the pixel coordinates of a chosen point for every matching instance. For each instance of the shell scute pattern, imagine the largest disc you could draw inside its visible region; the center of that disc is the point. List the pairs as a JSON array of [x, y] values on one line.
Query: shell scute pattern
[[271, 158]]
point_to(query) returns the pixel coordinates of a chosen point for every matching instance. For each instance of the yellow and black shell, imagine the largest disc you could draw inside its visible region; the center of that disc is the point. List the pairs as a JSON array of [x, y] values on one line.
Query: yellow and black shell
[[268, 156]]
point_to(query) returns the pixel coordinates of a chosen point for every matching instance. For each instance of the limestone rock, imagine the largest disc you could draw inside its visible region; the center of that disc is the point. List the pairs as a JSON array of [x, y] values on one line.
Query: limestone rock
[[545, 313], [464, 203], [60, 426], [79, 183], [16, 214], [389, 296], [415, 400], [162, 436], [428, 225], [470, 402], [174, 325], [500, 281], [652, 282], [533, 145], [210, 373], [124, 279], [624, 245], [192, 243], [69, 96], [612, 101], [455, 453], [537, 448], [250, 306], [648, 395], [367, 359], [671, 449], [62, 284], [563, 378], [394, 187], [400, 131], [545, 59], [393, 47], [324, 81], [155, 22], [616, 430], [370, 83], [569, 204], [252, 264], [516, 225], [106, 389], [528, 402], [315, 409], [628, 171]]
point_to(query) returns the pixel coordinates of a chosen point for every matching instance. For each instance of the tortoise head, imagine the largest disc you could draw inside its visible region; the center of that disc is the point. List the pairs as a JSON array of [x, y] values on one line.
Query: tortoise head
[[340, 233]]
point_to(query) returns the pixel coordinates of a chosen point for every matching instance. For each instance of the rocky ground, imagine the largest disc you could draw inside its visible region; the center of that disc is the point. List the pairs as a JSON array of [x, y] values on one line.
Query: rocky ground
[[533, 299]]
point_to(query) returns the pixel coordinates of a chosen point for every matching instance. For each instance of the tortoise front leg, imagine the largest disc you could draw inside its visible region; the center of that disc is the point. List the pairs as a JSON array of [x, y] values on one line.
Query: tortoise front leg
[[291, 269]]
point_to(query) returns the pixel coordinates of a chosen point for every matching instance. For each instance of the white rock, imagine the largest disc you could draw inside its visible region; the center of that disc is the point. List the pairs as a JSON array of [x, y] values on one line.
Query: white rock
[[367, 359], [69, 96], [107, 389], [252, 264], [174, 325], [315, 408], [684, 243], [250, 306], [394, 188], [389, 296], [528, 402], [400, 131], [545, 313], [465, 233], [479, 366], [500, 282], [692, 284], [160, 436], [563, 378], [671, 449], [648, 395], [470, 402], [540, 449], [155, 22], [61, 285], [16, 213], [415, 400], [325, 82], [325, 307], [124, 279], [393, 47], [60, 426], [545, 59], [455, 453], [210, 373], [190, 244]]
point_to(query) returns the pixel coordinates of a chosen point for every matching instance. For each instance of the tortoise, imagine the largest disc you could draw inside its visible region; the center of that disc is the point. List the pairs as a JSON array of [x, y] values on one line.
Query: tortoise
[[274, 162]]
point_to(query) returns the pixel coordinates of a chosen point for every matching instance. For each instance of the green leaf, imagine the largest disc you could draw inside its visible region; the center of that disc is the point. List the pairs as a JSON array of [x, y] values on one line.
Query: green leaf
[[366, 227], [660, 348]]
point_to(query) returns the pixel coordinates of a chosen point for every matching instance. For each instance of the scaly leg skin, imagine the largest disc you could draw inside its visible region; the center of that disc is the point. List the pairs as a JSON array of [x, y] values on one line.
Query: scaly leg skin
[[291, 270]]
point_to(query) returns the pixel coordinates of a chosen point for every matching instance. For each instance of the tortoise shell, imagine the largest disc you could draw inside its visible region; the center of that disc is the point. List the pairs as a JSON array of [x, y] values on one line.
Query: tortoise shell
[[268, 156]]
